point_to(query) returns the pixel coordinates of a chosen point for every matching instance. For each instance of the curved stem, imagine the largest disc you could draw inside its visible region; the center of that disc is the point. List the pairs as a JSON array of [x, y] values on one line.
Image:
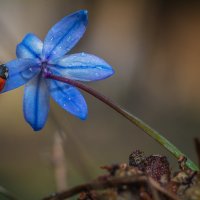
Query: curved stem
[[133, 119]]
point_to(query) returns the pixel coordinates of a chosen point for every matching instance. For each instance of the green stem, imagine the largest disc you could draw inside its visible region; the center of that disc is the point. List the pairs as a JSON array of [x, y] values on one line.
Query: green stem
[[133, 119]]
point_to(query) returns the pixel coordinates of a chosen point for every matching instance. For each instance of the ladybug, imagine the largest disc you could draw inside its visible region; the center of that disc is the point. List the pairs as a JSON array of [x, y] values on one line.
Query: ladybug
[[3, 76]]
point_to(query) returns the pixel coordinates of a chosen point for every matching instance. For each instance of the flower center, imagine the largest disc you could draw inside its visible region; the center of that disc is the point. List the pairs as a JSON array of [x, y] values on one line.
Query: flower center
[[44, 68]]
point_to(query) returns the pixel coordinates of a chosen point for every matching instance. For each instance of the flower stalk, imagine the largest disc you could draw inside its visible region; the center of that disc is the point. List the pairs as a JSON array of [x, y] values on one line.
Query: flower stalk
[[133, 119]]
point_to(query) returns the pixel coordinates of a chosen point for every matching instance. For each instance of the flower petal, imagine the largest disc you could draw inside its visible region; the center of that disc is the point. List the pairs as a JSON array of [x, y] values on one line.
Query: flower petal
[[83, 67], [64, 35], [30, 47], [20, 71], [69, 98], [36, 103]]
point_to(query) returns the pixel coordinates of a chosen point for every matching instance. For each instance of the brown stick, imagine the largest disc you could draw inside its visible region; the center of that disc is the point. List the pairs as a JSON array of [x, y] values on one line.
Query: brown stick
[[59, 163], [154, 192], [111, 183], [197, 146]]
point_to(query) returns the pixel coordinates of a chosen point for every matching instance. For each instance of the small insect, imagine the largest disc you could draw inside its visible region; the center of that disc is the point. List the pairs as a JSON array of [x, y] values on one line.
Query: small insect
[[3, 76]]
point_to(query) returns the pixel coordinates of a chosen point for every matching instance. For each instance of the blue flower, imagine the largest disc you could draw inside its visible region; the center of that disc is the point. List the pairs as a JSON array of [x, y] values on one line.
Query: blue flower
[[35, 58]]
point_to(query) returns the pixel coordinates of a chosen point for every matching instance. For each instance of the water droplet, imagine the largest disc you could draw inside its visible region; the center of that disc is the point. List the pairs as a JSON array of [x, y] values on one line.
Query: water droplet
[[68, 49], [69, 38], [60, 33], [27, 74], [78, 109]]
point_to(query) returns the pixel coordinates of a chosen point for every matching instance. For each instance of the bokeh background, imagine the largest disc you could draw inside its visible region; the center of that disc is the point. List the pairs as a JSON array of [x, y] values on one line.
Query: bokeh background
[[154, 47]]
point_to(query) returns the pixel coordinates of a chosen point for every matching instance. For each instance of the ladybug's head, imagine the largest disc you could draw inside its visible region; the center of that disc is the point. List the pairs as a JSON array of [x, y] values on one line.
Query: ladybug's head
[[3, 71]]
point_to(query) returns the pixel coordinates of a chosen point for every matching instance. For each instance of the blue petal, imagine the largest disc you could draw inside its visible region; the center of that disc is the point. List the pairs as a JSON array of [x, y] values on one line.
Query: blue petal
[[69, 98], [64, 35], [20, 72], [36, 103], [30, 47], [83, 67]]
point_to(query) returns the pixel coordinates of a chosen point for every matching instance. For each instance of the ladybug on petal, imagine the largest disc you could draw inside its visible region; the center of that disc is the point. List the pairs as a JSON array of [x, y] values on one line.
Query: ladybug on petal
[[3, 76]]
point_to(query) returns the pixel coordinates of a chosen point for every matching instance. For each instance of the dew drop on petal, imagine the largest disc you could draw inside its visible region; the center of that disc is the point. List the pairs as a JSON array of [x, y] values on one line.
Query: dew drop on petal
[[60, 33], [69, 38], [54, 52], [28, 73], [68, 49]]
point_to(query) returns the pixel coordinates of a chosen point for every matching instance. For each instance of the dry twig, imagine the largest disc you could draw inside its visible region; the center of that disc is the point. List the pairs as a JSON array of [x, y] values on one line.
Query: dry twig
[[112, 183]]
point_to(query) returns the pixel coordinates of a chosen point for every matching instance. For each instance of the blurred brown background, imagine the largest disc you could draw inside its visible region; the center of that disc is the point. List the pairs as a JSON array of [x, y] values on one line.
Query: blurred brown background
[[154, 47]]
